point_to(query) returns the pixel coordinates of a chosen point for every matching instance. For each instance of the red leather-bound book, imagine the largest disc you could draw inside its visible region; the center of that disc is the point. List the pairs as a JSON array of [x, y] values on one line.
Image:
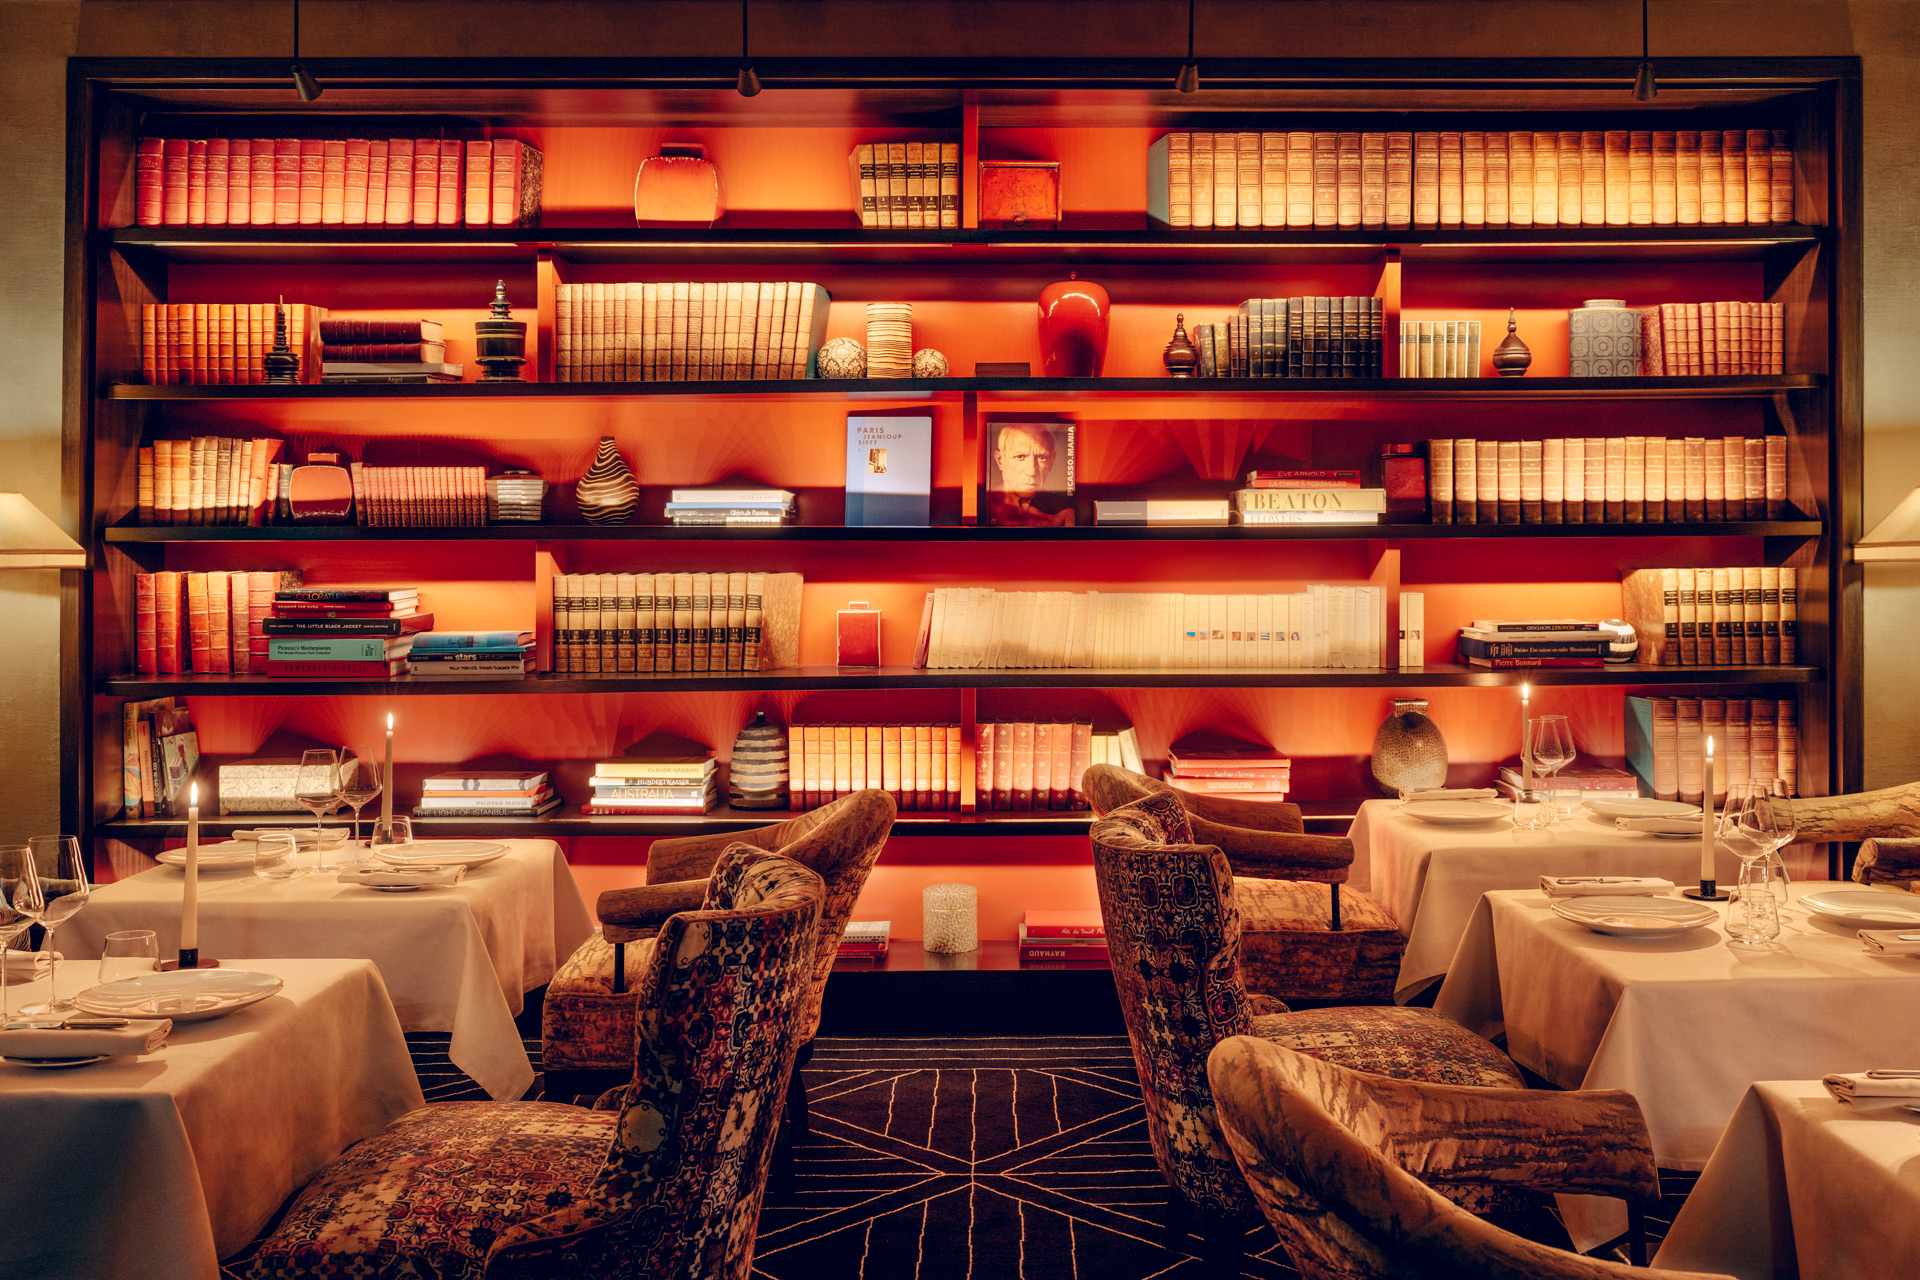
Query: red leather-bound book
[[149, 182]]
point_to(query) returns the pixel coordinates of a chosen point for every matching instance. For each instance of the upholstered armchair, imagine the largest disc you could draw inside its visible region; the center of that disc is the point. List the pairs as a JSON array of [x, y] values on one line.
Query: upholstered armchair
[[1301, 938], [587, 1023], [1173, 935], [1885, 822], [665, 1182], [1345, 1165]]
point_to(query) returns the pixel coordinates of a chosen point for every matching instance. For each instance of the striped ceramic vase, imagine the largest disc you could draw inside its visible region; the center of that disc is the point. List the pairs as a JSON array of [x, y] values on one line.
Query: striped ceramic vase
[[757, 779], [607, 493]]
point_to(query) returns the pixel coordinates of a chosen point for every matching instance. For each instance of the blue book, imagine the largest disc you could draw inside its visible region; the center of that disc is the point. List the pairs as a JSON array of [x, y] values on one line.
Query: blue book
[[461, 641], [889, 469]]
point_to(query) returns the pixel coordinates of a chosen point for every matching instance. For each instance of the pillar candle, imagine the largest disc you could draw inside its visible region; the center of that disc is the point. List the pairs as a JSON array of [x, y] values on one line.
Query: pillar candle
[[386, 778], [1706, 820], [190, 899], [1526, 747]]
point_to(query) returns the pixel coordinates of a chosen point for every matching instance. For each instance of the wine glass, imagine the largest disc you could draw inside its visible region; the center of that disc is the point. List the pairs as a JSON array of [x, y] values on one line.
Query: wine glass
[[63, 891], [316, 785], [1770, 818], [1741, 827], [1552, 745], [20, 905], [359, 784]]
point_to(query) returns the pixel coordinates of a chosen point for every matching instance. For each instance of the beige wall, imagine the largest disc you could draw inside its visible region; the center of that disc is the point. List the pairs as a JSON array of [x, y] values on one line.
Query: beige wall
[[35, 37]]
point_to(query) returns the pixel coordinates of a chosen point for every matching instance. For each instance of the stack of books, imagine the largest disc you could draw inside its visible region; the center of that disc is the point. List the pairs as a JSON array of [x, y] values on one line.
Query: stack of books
[[221, 344], [1598, 781], [159, 752], [1472, 178], [1440, 349], [1756, 741], [689, 332], [1162, 512], [917, 764], [214, 622], [865, 940], [360, 633], [1705, 339], [730, 507], [1073, 937], [486, 793], [1215, 764], [1308, 497], [208, 480], [1504, 643], [471, 655], [385, 351], [661, 774], [1746, 615], [1608, 480], [907, 185], [352, 182], [516, 497]]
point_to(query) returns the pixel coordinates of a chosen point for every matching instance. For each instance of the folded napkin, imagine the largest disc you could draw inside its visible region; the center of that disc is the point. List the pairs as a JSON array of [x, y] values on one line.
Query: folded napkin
[[1660, 826], [25, 966], [1863, 1091], [302, 836], [1892, 942], [144, 1035], [1452, 793], [400, 876], [1580, 886]]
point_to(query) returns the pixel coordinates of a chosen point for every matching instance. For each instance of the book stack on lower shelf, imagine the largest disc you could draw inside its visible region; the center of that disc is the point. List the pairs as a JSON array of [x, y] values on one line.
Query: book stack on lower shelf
[[1592, 780], [357, 633], [730, 508], [1514, 643], [704, 331], [1745, 615], [866, 940], [663, 773], [1228, 768], [159, 752], [1308, 497], [917, 764], [486, 793], [1063, 938], [388, 351], [471, 655], [1608, 480], [1756, 744]]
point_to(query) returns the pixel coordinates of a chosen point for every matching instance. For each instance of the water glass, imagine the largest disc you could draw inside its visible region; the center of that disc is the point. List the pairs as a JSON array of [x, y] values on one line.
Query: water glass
[[276, 855], [1564, 800], [1531, 812], [128, 954], [1754, 918], [393, 834]]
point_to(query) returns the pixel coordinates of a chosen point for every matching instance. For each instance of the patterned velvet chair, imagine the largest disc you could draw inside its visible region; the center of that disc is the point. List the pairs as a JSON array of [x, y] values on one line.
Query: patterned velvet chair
[[1301, 938], [1173, 935], [665, 1183], [1331, 1155], [587, 1024]]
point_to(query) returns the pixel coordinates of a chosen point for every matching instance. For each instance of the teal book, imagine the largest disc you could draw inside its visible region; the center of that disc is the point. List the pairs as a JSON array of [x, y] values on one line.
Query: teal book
[[464, 641], [333, 649], [889, 469]]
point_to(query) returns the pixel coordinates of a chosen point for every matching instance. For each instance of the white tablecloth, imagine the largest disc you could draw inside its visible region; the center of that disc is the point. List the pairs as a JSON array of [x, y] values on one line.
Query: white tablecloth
[[1803, 1185], [458, 960], [1685, 1024], [150, 1168], [1431, 878]]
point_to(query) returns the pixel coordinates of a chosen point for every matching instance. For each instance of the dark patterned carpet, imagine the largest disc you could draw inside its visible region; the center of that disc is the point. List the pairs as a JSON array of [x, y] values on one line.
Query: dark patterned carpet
[[977, 1159]]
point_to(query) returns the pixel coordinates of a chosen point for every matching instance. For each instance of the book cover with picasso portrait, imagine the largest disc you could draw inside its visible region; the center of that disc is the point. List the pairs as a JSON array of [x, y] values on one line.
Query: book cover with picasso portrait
[[1030, 468]]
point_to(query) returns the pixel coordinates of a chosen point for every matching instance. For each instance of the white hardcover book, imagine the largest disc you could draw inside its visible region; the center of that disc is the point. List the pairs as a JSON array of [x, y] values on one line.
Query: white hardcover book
[[1336, 627], [1320, 622], [1217, 631], [1263, 629], [1377, 627], [936, 630], [1298, 654], [1419, 628], [1236, 630]]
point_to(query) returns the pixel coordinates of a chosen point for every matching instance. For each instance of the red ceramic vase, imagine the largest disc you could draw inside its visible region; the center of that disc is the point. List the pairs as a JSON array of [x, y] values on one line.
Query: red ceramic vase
[[1073, 328]]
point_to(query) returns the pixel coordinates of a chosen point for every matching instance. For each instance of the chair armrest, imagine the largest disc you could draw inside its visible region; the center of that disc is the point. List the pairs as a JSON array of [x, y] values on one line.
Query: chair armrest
[[644, 908], [1887, 858], [1277, 855], [1253, 815], [1865, 815]]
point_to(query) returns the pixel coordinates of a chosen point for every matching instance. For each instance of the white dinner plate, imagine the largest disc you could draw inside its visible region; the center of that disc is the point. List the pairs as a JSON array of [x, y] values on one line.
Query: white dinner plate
[[56, 1063], [229, 856], [1458, 813], [1638, 807], [1684, 828], [449, 853], [1864, 907], [1635, 917], [192, 995]]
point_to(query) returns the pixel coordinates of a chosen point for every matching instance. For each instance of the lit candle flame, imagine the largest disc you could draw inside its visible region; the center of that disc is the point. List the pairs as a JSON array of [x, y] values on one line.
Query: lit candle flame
[[1709, 744], [389, 722], [1526, 691], [193, 794]]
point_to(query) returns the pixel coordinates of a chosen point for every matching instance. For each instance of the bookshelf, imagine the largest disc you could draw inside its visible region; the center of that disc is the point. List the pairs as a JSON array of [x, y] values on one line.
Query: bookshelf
[[783, 157]]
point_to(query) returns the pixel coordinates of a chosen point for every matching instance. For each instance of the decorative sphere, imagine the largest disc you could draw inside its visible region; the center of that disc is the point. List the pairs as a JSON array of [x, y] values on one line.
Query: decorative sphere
[[843, 358], [928, 363]]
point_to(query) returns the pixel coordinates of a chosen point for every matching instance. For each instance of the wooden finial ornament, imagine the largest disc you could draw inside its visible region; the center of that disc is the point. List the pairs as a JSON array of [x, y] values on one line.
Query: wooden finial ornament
[[282, 364]]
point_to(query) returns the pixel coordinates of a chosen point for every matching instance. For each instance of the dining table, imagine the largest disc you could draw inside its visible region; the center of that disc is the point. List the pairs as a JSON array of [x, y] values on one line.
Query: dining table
[[1430, 877], [456, 959], [155, 1167], [1686, 1023], [1801, 1184]]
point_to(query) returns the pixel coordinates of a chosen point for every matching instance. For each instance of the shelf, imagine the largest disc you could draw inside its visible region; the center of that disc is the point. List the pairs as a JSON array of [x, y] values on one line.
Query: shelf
[[148, 534], [1440, 676], [922, 388], [1111, 242]]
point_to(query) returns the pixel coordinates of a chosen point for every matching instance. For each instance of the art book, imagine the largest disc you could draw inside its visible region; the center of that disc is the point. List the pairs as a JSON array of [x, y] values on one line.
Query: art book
[[1030, 469], [889, 469]]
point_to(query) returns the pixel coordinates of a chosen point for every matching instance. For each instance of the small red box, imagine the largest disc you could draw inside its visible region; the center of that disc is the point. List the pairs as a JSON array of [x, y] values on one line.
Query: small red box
[[856, 635], [1019, 193]]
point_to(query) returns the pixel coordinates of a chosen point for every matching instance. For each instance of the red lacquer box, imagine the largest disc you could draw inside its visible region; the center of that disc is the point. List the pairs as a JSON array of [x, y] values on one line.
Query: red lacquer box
[[1019, 193], [856, 636]]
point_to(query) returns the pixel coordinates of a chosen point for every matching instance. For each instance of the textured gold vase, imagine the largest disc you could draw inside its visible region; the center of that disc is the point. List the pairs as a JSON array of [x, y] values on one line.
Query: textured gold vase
[[607, 493]]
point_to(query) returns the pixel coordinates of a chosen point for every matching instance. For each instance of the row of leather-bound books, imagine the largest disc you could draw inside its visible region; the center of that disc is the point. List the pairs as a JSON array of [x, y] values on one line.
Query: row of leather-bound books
[[1741, 615], [1607, 480], [689, 331], [608, 624], [1756, 745]]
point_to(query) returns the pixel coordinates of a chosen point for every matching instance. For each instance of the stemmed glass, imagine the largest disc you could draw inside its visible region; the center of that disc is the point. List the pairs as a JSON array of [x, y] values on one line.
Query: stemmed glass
[[317, 787], [1768, 817], [20, 905], [63, 891], [359, 785], [1748, 827], [1552, 741]]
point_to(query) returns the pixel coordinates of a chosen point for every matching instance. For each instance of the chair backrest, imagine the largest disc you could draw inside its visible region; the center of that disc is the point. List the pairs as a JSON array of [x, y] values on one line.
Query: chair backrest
[[716, 1027], [840, 841], [1888, 860], [1323, 1156], [1173, 936], [1107, 787]]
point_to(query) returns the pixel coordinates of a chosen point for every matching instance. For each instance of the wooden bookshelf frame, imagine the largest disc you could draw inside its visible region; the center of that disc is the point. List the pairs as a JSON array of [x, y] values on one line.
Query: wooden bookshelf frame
[[1814, 265]]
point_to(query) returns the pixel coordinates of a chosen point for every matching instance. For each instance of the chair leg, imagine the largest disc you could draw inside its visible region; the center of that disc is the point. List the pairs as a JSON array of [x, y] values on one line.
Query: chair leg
[[1636, 1234], [620, 967], [1222, 1242], [1179, 1220], [798, 1115], [1335, 886]]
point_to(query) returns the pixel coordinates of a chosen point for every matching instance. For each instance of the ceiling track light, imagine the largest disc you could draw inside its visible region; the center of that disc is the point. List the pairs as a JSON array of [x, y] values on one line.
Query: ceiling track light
[[303, 82], [1188, 81], [747, 82], [1644, 88]]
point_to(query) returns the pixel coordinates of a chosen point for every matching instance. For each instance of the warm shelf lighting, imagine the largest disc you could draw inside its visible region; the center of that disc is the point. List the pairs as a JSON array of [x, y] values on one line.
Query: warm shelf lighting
[[1896, 537], [31, 540]]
